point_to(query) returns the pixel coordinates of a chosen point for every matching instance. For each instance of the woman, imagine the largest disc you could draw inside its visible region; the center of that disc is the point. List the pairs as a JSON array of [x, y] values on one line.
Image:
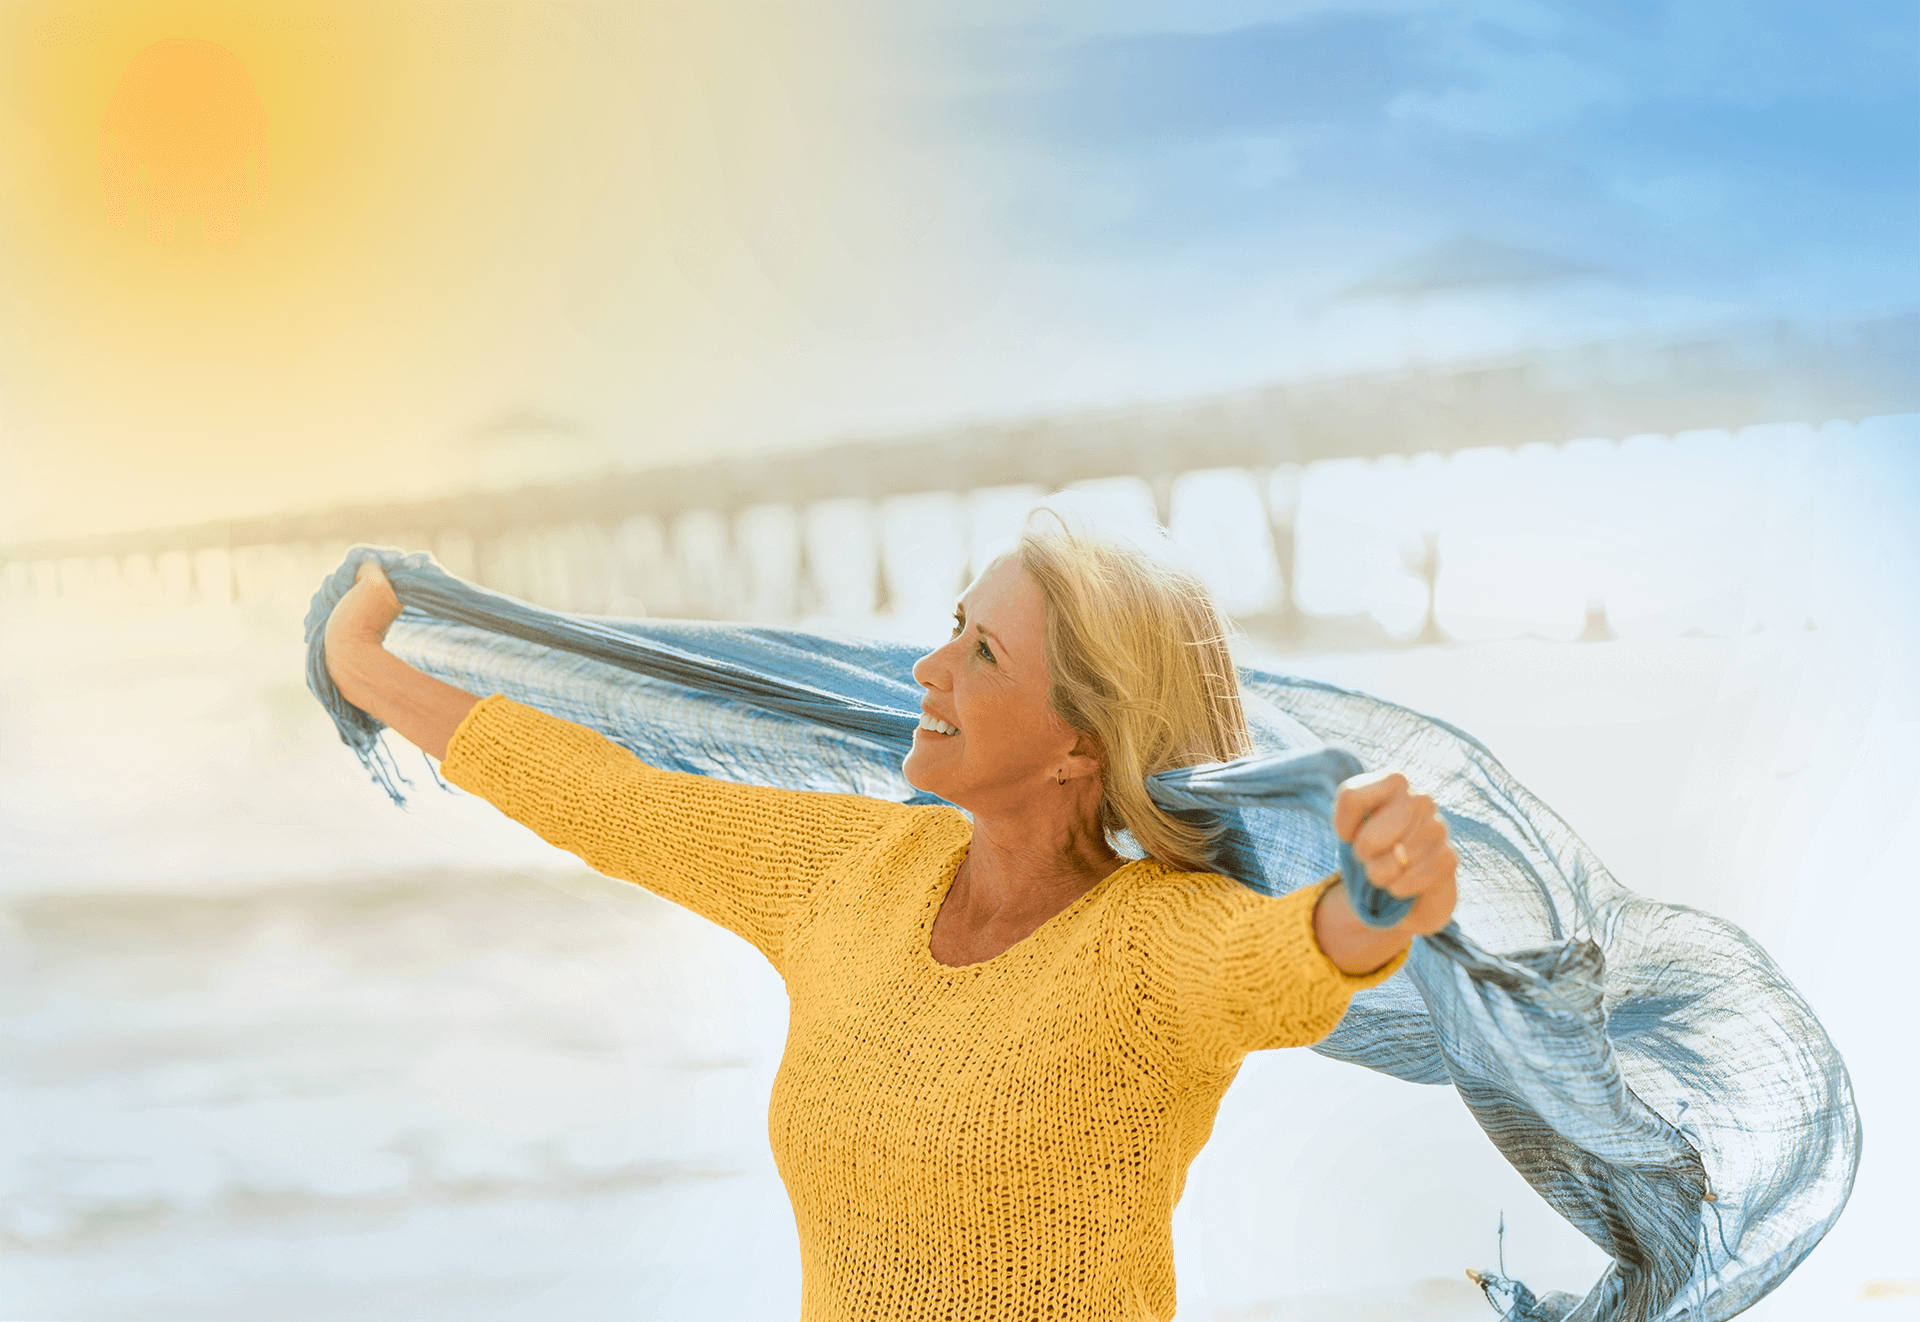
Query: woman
[[1007, 1042]]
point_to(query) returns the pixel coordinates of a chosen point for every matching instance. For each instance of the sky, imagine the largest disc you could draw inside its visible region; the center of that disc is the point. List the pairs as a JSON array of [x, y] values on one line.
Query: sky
[[484, 244]]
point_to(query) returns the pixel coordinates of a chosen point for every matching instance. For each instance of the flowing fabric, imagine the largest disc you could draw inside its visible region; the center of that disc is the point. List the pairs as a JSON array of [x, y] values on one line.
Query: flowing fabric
[[1645, 1066]]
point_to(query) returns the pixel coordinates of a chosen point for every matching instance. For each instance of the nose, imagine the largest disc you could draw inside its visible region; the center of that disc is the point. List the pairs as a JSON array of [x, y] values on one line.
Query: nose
[[932, 671]]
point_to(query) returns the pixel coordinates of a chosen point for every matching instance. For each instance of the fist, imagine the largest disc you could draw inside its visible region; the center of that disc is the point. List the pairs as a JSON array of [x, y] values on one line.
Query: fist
[[1401, 840], [365, 612]]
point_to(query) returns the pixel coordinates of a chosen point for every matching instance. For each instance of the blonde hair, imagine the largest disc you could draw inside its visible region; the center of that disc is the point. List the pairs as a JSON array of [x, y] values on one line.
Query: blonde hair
[[1138, 658]]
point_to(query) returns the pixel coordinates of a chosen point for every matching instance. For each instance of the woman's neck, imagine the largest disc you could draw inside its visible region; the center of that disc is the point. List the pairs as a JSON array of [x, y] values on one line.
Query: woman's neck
[[1016, 869], [1008, 885]]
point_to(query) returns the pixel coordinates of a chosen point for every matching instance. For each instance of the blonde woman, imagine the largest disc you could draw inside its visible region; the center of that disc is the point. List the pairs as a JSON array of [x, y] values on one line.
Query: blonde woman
[[1007, 1041]]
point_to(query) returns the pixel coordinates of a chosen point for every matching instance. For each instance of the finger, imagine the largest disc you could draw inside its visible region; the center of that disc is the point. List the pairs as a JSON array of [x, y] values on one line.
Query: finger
[[1434, 864], [1399, 836], [1429, 860], [1406, 866], [1361, 796], [1424, 831], [1433, 906], [1389, 874], [1390, 824], [380, 585]]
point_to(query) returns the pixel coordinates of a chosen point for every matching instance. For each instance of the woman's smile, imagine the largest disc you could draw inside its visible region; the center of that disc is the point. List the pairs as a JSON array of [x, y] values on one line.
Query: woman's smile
[[933, 724]]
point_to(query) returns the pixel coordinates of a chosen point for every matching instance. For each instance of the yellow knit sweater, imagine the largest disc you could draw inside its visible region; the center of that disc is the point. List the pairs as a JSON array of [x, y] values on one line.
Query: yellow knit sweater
[[1004, 1140]]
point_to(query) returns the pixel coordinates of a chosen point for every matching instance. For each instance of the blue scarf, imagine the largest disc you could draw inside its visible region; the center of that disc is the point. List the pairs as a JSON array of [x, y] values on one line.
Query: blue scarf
[[1644, 1066]]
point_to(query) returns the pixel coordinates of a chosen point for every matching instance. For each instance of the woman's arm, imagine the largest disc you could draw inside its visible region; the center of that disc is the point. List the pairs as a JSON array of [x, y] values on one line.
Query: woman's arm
[[1234, 971], [424, 710], [742, 856]]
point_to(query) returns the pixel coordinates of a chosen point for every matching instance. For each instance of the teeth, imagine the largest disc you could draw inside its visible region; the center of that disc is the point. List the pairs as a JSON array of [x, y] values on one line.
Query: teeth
[[938, 726]]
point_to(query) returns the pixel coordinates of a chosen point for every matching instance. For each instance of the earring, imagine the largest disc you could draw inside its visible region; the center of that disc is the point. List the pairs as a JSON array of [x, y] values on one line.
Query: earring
[[1063, 776]]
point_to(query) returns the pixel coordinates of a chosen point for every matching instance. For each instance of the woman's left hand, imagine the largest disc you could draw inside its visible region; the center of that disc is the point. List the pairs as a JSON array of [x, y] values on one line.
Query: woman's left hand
[[1401, 840]]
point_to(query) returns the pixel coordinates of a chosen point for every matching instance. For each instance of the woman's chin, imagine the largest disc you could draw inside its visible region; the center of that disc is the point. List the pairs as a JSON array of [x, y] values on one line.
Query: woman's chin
[[921, 771]]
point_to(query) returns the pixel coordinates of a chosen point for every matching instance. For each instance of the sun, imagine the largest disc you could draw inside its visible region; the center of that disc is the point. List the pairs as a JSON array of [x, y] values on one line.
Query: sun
[[185, 135]]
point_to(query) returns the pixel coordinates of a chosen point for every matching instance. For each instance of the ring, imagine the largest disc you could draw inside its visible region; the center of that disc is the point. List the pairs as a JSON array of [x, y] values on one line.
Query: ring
[[1400, 854]]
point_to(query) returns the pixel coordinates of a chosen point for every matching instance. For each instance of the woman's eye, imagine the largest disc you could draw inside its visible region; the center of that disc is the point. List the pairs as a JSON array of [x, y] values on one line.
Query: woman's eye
[[986, 651]]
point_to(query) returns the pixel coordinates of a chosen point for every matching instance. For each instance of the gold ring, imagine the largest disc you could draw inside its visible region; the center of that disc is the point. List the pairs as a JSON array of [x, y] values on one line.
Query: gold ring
[[1400, 853]]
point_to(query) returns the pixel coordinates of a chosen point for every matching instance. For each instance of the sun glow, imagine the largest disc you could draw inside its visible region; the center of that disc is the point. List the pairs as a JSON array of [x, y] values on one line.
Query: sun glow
[[185, 136], [578, 210]]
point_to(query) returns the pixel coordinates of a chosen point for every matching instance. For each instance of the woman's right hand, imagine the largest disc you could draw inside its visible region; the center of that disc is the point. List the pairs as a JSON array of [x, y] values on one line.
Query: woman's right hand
[[359, 623], [367, 610], [423, 709]]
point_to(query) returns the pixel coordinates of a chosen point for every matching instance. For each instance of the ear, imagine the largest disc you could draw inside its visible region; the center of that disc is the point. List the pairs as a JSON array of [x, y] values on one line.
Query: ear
[[1088, 756]]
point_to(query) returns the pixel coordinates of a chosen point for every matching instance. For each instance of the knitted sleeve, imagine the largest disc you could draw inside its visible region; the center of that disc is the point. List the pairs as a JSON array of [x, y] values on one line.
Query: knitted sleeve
[[741, 855], [1244, 972]]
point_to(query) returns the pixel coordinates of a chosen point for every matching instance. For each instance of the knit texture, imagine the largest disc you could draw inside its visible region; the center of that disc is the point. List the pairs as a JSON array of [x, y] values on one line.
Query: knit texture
[[1004, 1140]]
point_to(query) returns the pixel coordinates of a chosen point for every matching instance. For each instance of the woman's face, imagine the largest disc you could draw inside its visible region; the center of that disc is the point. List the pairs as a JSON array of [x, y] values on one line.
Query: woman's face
[[988, 738]]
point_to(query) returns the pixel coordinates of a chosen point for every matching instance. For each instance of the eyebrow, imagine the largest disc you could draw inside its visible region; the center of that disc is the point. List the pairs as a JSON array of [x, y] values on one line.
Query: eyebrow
[[991, 634], [960, 609]]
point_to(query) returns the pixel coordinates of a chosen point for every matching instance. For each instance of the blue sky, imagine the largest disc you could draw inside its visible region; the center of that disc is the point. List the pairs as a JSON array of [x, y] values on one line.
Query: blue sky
[[1762, 154]]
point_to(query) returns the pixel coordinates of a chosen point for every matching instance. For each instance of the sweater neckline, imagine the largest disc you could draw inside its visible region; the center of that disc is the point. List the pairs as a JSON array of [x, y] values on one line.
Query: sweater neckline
[[943, 886]]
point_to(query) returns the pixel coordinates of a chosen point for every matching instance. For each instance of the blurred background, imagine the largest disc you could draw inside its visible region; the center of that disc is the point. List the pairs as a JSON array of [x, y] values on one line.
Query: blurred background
[[1552, 369]]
